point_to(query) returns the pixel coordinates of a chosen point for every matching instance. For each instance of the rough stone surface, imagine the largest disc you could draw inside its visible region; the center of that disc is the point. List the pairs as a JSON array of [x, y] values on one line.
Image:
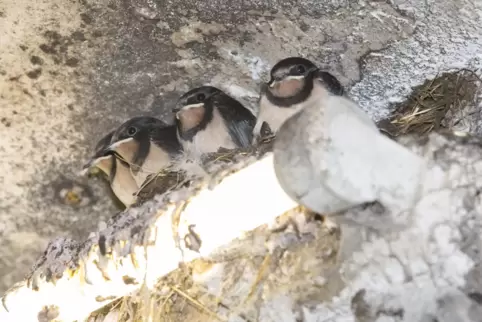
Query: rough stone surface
[[447, 36], [70, 71]]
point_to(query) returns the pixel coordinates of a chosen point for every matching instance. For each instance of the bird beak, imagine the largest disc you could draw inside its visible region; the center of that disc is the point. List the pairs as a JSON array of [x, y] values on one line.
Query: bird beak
[[94, 162], [298, 77], [181, 108], [85, 169], [272, 83], [176, 109], [125, 149], [115, 146]]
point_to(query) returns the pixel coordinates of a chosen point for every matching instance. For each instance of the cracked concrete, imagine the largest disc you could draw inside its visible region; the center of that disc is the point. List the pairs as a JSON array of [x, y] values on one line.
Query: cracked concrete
[[448, 36], [70, 71]]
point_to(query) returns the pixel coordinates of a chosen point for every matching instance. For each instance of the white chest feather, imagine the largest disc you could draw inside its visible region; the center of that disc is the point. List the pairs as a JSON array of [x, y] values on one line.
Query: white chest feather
[[210, 139], [273, 115], [156, 160]]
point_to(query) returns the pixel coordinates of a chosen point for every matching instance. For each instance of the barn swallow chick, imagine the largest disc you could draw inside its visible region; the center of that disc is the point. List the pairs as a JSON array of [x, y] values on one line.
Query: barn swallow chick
[[99, 151], [147, 144], [208, 119], [118, 172], [295, 82], [101, 145], [119, 175]]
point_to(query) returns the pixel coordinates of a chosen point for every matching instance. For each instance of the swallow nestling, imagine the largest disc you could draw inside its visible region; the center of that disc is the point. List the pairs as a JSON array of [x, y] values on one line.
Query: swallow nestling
[[119, 175], [118, 172], [295, 82], [147, 144], [208, 119]]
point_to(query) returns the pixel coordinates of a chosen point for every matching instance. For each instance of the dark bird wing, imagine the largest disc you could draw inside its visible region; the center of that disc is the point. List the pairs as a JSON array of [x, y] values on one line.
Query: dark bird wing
[[238, 119], [166, 138], [331, 83]]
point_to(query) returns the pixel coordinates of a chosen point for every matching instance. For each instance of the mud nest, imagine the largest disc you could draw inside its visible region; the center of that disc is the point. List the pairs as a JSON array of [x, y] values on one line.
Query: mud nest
[[448, 102], [172, 180]]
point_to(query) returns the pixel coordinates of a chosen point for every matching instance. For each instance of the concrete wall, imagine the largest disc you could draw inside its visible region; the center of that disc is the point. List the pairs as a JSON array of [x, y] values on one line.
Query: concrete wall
[[72, 70]]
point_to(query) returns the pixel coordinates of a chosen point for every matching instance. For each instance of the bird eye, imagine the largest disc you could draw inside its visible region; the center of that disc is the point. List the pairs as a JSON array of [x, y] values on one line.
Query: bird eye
[[131, 131], [300, 69], [200, 97]]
